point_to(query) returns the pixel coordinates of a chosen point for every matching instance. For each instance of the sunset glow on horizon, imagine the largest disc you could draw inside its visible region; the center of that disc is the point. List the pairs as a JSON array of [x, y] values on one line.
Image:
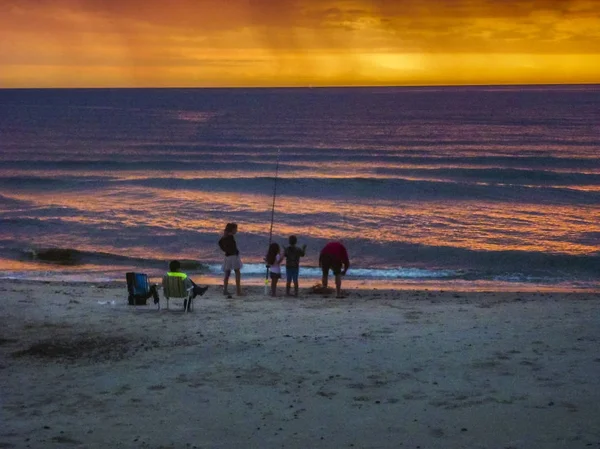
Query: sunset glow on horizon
[[210, 43]]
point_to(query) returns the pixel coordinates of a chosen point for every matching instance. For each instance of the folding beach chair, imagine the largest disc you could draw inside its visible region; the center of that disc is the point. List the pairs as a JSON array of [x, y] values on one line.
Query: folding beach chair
[[140, 290], [174, 287]]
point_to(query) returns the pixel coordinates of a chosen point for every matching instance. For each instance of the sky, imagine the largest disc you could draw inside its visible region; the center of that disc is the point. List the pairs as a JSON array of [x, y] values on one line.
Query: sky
[[252, 43]]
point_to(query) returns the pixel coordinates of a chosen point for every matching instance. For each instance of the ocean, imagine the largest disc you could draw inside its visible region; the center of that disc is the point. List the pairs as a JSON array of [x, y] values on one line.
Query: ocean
[[445, 187]]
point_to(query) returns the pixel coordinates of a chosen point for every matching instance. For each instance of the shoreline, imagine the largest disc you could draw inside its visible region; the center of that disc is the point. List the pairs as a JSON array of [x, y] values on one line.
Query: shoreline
[[398, 278], [215, 282]]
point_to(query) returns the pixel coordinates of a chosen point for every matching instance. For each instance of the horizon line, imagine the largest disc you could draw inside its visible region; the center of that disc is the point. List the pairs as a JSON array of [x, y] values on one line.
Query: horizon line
[[333, 86]]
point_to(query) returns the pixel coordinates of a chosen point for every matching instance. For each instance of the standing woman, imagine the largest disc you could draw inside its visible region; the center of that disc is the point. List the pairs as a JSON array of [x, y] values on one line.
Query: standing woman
[[232, 258]]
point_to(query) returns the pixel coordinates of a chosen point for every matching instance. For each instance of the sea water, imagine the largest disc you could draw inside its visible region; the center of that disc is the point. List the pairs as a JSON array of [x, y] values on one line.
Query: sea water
[[457, 186]]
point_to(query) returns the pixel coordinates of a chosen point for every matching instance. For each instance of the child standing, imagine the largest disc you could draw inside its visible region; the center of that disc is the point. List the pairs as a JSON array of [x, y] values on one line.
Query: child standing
[[232, 258], [292, 264], [274, 259]]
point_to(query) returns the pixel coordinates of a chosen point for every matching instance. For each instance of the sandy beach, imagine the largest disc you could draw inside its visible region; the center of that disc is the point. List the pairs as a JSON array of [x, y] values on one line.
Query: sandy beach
[[379, 369]]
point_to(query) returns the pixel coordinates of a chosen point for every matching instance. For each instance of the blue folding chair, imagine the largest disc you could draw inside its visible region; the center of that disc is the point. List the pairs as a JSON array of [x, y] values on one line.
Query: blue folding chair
[[140, 290]]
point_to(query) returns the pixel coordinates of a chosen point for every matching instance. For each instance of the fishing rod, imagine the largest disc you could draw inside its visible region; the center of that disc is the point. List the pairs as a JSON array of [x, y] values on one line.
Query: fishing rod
[[272, 218]]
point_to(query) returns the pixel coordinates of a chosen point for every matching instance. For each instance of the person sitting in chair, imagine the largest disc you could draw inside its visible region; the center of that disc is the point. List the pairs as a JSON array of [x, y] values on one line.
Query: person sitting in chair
[[175, 270]]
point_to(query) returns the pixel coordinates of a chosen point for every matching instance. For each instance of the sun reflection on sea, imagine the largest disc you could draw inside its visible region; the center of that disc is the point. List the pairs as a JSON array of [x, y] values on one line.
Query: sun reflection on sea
[[489, 226]]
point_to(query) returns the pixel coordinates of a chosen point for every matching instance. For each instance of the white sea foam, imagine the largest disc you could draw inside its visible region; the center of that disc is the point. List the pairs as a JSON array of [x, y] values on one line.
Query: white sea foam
[[378, 273]]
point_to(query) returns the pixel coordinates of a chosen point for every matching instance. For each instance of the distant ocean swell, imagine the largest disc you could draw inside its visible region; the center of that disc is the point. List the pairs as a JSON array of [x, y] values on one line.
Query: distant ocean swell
[[133, 158], [419, 262], [562, 188]]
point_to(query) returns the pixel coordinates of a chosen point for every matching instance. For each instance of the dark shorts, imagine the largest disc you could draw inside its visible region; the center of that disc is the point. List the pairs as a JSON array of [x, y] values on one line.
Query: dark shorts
[[292, 274], [329, 262], [275, 276]]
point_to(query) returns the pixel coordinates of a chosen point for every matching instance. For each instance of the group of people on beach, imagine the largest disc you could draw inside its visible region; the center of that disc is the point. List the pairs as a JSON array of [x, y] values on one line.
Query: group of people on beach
[[333, 257]]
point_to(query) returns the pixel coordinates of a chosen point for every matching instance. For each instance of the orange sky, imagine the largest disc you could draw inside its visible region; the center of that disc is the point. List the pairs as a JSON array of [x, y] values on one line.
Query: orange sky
[[207, 43]]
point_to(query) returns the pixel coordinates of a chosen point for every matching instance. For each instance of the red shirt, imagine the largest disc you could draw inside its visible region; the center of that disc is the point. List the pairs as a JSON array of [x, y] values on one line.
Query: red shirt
[[337, 250]]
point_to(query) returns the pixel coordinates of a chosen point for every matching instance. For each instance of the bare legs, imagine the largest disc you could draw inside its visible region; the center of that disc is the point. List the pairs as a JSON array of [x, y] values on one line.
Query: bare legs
[[274, 286], [238, 282], [288, 286], [292, 277], [338, 283], [226, 282]]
